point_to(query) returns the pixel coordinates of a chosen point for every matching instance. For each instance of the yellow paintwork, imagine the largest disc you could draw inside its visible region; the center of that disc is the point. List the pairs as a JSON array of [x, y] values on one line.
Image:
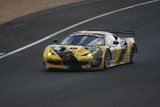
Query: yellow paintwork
[[77, 53], [84, 55], [49, 53]]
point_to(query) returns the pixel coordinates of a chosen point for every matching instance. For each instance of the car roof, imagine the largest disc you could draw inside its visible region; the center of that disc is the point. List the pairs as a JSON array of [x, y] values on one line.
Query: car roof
[[94, 32]]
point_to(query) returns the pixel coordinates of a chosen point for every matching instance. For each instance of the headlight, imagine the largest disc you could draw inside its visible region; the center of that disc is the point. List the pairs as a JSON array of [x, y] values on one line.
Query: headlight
[[89, 55], [50, 52]]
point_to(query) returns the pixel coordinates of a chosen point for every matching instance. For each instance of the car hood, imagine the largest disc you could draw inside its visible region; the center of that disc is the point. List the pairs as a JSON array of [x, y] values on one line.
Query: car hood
[[76, 50]]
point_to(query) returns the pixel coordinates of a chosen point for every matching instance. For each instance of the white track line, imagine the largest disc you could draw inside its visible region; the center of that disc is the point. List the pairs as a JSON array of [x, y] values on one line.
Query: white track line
[[75, 25]]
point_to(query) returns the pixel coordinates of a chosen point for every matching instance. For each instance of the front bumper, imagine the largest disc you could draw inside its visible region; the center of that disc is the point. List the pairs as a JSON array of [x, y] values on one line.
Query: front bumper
[[68, 63], [71, 66]]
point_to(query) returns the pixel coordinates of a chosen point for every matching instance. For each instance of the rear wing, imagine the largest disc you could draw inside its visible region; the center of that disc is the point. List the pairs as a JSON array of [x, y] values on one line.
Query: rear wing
[[123, 33]]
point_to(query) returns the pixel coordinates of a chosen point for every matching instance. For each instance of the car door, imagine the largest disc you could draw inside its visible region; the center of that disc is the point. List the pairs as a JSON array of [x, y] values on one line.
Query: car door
[[121, 50], [113, 48], [117, 47]]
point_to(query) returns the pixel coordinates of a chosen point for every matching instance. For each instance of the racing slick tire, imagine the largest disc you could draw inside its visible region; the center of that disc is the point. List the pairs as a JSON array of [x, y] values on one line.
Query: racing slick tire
[[107, 60], [132, 54]]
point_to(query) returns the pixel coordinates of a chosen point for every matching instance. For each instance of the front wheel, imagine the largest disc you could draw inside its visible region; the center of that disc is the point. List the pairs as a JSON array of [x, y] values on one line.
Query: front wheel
[[107, 60]]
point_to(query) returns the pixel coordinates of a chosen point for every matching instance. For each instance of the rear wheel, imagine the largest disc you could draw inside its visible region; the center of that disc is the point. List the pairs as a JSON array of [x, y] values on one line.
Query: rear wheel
[[132, 54], [107, 60]]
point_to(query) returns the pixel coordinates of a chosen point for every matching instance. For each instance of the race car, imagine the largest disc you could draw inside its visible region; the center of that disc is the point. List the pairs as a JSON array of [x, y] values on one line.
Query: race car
[[87, 50]]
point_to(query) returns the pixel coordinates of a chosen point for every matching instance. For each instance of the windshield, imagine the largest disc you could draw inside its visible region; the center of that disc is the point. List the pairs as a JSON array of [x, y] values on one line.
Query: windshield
[[84, 40]]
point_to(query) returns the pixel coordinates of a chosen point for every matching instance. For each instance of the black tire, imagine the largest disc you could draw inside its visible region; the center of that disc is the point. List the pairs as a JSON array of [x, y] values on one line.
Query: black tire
[[132, 54], [107, 60]]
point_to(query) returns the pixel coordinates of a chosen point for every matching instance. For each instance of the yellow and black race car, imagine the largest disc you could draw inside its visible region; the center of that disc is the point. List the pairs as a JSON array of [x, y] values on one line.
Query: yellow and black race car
[[91, 50]]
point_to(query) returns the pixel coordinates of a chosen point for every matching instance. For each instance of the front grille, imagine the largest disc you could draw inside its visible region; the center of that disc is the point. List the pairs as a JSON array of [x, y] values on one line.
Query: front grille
[[54, 62], [70, 60]]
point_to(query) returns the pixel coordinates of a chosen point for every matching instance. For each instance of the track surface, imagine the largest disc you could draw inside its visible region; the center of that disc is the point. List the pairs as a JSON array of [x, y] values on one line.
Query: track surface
[[24, 83]]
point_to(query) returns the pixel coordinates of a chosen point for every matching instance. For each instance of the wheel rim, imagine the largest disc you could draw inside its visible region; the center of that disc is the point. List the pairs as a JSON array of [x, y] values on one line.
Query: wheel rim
[[107, 60]]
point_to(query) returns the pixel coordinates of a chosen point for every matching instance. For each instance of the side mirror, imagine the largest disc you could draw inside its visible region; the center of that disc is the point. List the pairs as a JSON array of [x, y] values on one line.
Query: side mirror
[[55, 41], [115, 42]]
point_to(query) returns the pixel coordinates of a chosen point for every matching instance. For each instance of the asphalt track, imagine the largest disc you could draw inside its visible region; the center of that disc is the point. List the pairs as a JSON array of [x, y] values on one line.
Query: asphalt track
[[23, 81]]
